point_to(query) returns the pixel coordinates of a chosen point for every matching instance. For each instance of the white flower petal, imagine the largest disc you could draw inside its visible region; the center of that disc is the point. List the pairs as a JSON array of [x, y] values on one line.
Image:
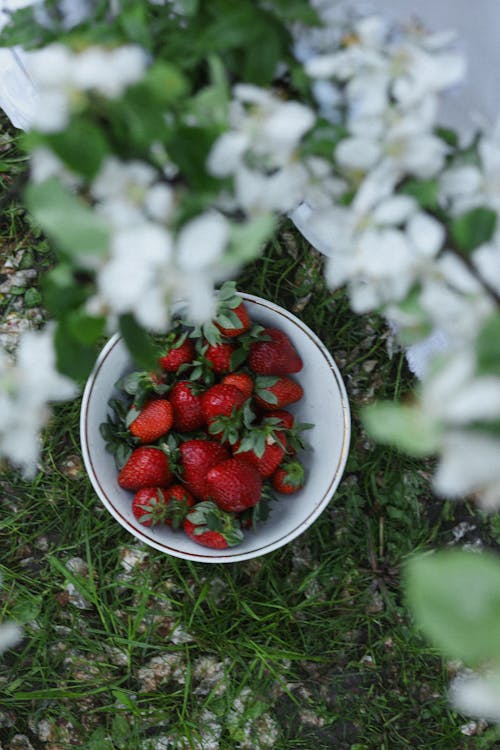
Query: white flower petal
[[394, 210], [426, 234], [226, 153], [358, 153], [469, 463], [202, 241]]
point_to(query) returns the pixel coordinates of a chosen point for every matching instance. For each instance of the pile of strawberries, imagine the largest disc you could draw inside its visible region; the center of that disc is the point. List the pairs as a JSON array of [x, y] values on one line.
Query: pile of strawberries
[[205, 439]]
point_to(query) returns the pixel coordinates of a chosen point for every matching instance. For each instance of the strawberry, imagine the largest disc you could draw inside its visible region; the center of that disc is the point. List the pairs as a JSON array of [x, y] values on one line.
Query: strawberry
[[186, 405], [146, 467], [208, 525], [276, 356], [265, 458], [241, 380], [179, 351], [221, 400], [154, 505], [288, 478], [233, 322], [274, 393], [231, 316], [196, 458], [234, 485], [152, 421], [219, 357]]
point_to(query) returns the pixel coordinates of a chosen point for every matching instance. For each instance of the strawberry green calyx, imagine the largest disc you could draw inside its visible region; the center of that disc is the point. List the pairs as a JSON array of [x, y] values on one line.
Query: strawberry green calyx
[[149, 506], [256, 438], [119, 441], [263, 385], [206, 516], [294, 473], [142, 386], [228, 428]]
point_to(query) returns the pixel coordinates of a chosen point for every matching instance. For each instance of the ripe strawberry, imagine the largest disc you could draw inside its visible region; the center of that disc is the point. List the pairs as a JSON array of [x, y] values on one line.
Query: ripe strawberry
[[220, 400], [241, 380], [234, 485], [152, 421], [186, 405], [154, 505], [146, 467], [267, 460], [179, 351], [233, 322], [276, 356], [288, 478], [275, 393], [208, 525], [196, 458], [219, 356]]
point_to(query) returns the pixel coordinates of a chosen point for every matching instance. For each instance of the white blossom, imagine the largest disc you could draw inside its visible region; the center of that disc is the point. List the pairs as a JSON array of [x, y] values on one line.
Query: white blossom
[[26, 386], [61, 76], [476, 695], [10, 635], [259, 150], [130, 279]]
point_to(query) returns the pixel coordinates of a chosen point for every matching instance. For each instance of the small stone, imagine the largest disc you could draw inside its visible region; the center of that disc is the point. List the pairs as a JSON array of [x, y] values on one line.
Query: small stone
[[367, 660], [20, 742], [72, 468]]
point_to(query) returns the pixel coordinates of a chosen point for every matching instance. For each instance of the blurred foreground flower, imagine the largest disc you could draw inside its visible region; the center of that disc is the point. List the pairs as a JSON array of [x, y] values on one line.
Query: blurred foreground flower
[[26, 387]]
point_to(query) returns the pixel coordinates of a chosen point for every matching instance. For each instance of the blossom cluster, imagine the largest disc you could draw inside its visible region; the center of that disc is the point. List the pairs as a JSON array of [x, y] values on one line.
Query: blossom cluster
[[64, 77], [26, 387]]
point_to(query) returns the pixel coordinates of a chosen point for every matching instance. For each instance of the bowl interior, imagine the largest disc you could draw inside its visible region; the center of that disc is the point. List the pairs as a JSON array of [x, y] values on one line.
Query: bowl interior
[[324, 404]]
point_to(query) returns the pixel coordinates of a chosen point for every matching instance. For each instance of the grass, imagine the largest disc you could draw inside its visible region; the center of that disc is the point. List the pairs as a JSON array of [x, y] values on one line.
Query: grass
[[308, 647]]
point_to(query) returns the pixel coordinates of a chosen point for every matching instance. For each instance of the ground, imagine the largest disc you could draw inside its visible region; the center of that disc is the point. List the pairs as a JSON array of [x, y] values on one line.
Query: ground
[[311, 646]]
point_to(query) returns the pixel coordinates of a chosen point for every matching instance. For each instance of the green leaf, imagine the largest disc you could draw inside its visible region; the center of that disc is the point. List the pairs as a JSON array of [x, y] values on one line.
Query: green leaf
[[247, 240], [425, 192], [473, 228], [448, 136], [165, 82], [405, 427], [120, 730], [455, 597], [73, 357], [61, 292], [32, 298], [322, 139], [82, 146], [488, 347], [85, 328], [139, 343], [72, 224]]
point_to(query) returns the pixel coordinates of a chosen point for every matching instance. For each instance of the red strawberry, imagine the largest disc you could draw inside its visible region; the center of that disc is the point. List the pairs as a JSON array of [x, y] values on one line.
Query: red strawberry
[[288, 478], [154, 505], [276, 356], [241, 380], [274, 393], [196, 458], [146, 467], [220, 400], [208, 525], [267, 460], [219, 357], [152, 421], [179, 352], [186, 405], [233, 322], [234, 485]]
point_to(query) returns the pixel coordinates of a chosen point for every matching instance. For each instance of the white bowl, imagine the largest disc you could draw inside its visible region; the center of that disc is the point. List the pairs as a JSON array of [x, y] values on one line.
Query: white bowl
[[324, 404]]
